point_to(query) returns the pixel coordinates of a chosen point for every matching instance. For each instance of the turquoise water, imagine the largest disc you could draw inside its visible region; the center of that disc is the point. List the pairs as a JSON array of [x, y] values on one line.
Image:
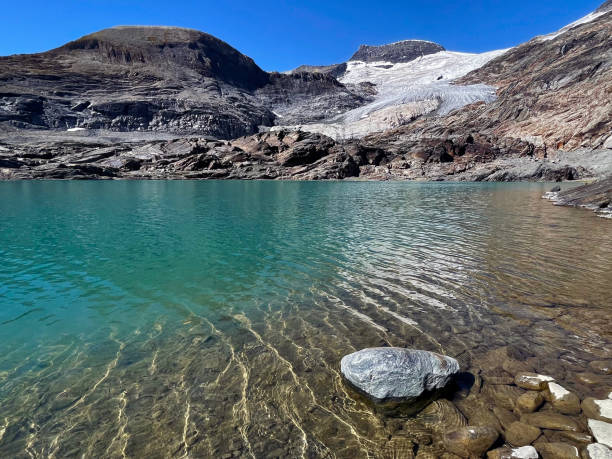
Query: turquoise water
[[203, 319]]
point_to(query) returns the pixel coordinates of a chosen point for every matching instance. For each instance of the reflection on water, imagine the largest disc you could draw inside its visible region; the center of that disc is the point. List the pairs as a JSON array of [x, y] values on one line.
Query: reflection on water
[[208, 319]]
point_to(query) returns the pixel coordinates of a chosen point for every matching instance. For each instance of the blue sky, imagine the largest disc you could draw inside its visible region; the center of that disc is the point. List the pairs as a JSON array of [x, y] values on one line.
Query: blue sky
[[281, 34]]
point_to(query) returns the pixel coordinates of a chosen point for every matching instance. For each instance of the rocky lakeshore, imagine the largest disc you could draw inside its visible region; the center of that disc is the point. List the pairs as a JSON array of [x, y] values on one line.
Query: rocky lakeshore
[[288, 155], [505, 412], [595, 196]]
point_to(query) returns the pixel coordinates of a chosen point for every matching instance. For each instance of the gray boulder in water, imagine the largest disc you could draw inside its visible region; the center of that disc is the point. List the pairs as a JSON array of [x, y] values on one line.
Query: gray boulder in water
[[393, 373]]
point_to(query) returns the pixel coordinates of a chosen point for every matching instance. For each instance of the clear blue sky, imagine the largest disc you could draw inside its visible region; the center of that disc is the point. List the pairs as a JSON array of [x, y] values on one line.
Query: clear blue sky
[[283, 34]]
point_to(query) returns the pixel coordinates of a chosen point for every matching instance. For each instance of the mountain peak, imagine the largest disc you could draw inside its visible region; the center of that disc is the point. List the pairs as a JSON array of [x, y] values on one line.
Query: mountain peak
[[168, 49], [400, 51]]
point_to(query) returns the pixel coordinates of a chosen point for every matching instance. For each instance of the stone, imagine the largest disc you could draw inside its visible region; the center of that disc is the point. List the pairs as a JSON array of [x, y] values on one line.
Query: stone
[[514, 366], [602, 431], [589, 379], [558, 451], [385, 373], [532, 381], [563, 400], [505, 417], [504, 396], [597, 451], [602, 366], [529, 402], [470, 441], [598, 409], [550, 420], [524, 452], [576, 437], [521, 434]]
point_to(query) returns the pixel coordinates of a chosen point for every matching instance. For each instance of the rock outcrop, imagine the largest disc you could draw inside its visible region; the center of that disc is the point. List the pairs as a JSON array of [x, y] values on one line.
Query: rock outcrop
[[401, 51], [596, 196]]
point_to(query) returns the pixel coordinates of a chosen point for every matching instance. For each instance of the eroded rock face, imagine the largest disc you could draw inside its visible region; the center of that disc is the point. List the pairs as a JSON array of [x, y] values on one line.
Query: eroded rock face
[[390, 373]]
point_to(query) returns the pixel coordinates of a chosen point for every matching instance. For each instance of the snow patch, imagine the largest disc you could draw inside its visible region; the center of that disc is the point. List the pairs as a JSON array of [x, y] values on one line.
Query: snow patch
[[76, 129]]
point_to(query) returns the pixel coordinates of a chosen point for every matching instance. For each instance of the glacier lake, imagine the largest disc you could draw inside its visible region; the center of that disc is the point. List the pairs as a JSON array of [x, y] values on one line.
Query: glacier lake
[[208, 318]]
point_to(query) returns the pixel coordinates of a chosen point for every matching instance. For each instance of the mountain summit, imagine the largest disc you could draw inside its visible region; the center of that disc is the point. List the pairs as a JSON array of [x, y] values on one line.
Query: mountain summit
[[168, 49]]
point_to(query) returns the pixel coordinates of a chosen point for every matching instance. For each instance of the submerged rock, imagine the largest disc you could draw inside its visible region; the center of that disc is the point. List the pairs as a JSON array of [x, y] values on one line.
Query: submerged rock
[[550, 420], [470, 441], [529, 402], [600, 410], [602, 366], [391, 373], [521, 434], [532, 381], [558, 451], [563, 400]]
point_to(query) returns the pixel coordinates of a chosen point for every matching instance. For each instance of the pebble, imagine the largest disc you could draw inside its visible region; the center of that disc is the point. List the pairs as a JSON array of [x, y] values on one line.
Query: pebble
[[563, 400], [470, 441], [550, 420], [600, 410], [558, 451], [577, 437], [602, 366], [532, 381], [521, 434], [589, 379], [529, 402], [505, 417]]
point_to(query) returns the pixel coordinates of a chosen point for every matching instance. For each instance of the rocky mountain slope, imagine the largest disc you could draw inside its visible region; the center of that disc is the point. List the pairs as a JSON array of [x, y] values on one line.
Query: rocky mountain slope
[[156, 78], [554, 90]]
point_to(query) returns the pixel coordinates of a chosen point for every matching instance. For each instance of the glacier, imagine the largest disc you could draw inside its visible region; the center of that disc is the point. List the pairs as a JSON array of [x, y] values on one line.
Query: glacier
[[405, 91]]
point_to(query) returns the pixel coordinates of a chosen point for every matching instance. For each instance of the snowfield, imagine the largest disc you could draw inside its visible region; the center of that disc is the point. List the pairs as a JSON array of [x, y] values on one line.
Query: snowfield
[[406, 91]]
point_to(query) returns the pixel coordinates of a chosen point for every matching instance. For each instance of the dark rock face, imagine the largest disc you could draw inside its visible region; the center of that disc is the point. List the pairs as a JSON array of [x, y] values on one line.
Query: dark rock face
[[402, 51], [158, 79], [335, 70], [306, 97]]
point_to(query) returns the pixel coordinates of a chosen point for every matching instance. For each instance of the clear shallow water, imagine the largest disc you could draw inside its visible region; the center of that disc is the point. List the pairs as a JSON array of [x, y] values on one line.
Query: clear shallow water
[[203, 319]]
